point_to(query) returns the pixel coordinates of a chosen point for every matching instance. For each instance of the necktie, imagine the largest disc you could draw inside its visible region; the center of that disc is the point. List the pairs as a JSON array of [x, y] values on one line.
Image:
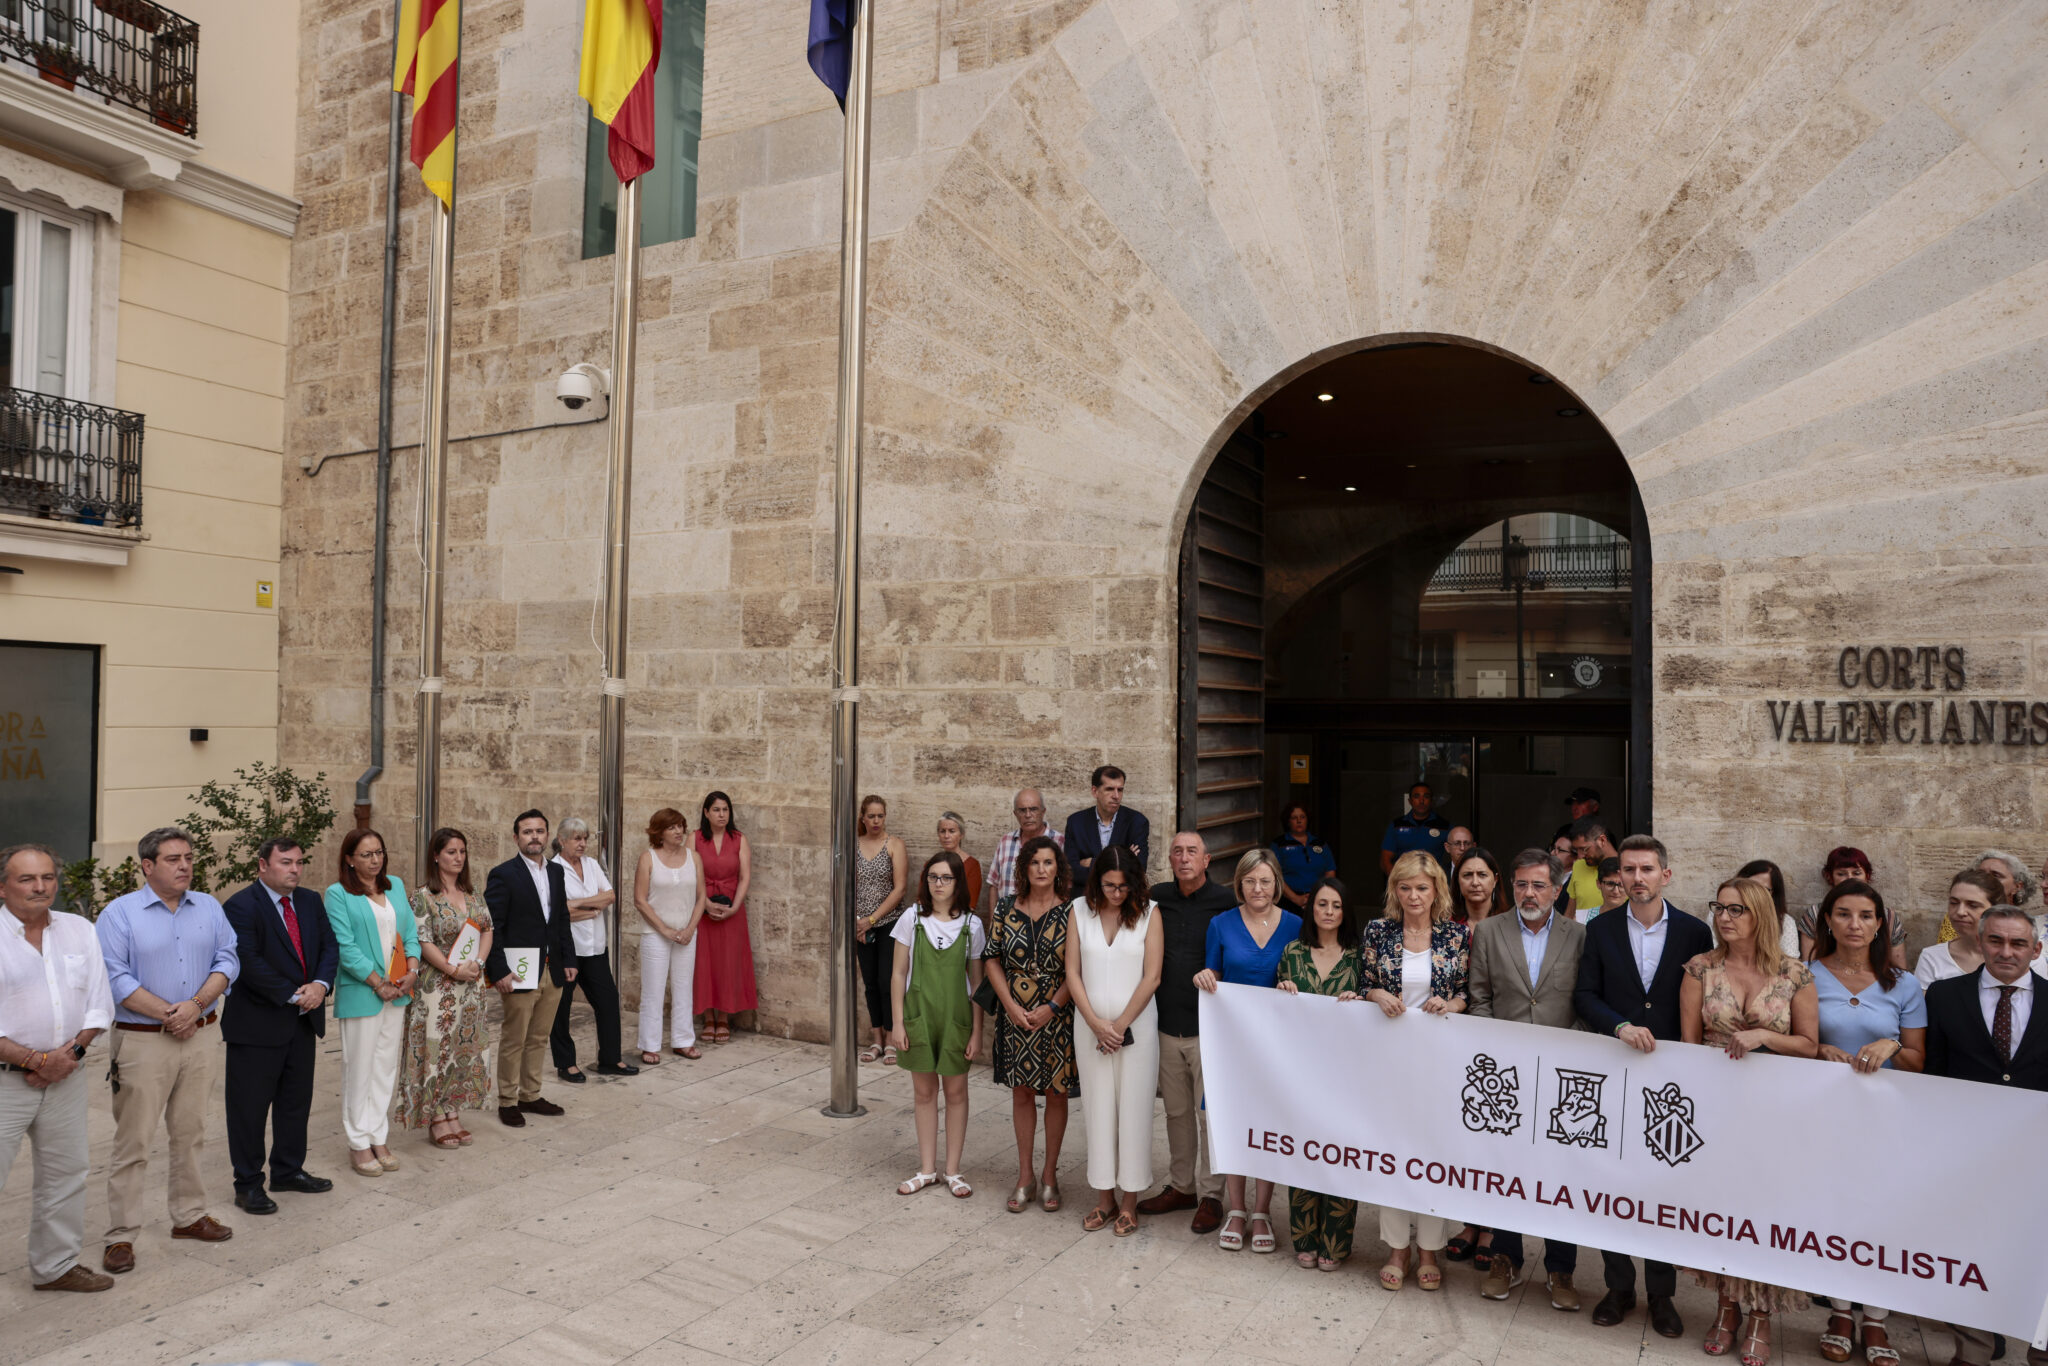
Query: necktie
[[2001, 1024], [291, 927]]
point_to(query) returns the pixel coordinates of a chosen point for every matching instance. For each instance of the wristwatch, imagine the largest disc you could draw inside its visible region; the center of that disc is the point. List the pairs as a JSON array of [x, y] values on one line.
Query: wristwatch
[[78, 1051]]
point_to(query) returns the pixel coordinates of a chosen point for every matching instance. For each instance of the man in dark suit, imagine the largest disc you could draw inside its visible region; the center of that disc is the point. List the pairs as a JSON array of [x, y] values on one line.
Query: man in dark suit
[[529, 901], [1629, 975], [1988, 1026], [274, 1012], [1095, 828]]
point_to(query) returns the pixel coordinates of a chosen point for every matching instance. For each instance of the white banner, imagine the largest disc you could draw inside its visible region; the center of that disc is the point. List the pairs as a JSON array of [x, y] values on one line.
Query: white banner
[[1916, 1193]]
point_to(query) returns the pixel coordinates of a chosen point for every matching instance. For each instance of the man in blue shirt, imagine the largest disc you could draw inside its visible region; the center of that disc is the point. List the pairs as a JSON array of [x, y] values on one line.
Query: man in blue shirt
[[1417, 828], [170, 956]]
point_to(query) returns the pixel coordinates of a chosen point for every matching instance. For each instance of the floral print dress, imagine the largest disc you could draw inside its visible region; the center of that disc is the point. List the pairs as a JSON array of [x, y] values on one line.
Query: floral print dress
[[446, 1038]]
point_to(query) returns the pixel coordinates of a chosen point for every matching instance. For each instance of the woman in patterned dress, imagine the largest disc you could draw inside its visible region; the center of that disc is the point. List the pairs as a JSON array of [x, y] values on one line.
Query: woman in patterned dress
[[1323, 962], [1034, 1047], [881, 866], [1746, 996], [444, 1070]]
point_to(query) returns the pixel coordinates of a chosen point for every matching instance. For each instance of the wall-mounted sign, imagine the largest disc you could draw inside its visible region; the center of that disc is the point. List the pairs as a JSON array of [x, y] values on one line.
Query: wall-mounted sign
[[1297, 768], [1877, 716], [263, 593], [49, 703]]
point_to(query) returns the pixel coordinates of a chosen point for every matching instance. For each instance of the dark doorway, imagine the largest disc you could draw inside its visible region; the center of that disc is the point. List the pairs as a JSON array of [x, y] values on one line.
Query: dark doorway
[[1451, 575]]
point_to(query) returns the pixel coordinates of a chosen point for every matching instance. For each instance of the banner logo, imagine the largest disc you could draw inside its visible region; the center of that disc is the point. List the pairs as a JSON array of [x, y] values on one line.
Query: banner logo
[[1576, 1117], [1668, 1128], [1492, 1098]]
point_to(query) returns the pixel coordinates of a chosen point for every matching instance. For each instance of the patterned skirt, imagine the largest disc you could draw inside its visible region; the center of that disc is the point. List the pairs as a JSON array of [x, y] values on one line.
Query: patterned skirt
[[447, 1045]]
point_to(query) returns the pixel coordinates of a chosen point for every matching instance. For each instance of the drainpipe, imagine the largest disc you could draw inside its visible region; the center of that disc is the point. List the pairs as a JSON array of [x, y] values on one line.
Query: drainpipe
[[392, 161]]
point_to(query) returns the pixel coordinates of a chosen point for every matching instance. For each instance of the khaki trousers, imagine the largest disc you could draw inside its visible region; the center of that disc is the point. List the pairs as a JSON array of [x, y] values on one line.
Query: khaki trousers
[[523, 1043], [169, 1080], [1187, 1127], [1974, 1346], [52, 1118]]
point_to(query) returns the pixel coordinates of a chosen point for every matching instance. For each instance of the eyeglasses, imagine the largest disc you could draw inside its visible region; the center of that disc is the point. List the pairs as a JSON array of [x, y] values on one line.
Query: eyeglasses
[[1116, 887], [1726, 908], [936, 878]]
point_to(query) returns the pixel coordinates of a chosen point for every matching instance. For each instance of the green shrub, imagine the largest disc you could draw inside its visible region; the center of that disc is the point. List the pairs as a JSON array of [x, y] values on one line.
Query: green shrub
[[87, 886], [233, 819]]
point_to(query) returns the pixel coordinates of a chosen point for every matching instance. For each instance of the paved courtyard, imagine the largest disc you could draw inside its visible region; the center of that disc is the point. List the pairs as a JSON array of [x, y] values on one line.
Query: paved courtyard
[[705, 1213]]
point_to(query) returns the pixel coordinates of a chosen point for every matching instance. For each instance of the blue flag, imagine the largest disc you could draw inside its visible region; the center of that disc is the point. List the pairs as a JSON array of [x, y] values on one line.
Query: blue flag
[[832, 43]]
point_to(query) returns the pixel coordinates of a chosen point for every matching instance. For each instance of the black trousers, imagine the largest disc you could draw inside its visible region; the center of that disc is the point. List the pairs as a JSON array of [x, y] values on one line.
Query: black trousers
[[877, 955], [273, 1084], [1659, 1278], [594, 976]]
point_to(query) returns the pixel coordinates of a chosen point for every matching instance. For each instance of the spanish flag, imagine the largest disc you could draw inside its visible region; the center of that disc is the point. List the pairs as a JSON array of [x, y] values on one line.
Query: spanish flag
[[429, 39], [621, 48]]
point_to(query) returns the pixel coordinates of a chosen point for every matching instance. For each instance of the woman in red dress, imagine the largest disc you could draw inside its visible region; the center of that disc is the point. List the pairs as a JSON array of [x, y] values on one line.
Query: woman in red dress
[[725, 959]]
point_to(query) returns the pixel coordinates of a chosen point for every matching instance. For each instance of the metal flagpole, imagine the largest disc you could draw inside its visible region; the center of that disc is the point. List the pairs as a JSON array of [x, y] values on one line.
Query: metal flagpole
[[434, 526], [618, 526], [853, 299]]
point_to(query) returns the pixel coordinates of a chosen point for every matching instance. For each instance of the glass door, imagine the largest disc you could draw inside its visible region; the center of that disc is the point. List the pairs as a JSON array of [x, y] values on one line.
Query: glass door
[[1372, 779]]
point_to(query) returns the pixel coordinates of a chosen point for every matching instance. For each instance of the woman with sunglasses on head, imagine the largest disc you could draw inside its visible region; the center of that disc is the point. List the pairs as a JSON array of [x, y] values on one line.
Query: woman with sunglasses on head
[[931, 989], [1872, 1017], [1114, 951], [1746, 996]]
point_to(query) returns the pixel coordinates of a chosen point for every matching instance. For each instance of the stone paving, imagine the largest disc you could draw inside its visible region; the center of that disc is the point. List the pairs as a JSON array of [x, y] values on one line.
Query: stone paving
[[705, 1213]]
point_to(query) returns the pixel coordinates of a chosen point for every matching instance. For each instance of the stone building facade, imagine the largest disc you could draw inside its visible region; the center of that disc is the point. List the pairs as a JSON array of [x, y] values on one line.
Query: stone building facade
[[1792, 255]]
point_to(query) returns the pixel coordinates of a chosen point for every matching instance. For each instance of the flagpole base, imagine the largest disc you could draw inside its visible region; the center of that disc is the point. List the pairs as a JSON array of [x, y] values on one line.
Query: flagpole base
[[855, 1113]]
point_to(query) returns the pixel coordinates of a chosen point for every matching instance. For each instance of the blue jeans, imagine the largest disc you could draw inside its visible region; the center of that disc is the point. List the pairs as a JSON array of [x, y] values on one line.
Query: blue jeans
[[1558, 1258]]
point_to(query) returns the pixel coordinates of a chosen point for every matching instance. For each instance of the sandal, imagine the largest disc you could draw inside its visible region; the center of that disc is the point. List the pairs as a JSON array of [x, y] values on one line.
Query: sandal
[[1461, 1248], [1225, 1239], [918, 1182], [1021, 1197], [1126, 1225], [371, 1168], [692, 1053], [1721, 1337], [1874, 1352], [872, 1053], [464, 1136], [1395, 1271], [1756, 1341], [889, 1056], [1840, 1337], [1263, 1242], [1429, 1277], [443, 1140], [1305, 1260], [957, 1184], [1049, 1197], [1327, 1263], [648, 1059], [1095, 1220]]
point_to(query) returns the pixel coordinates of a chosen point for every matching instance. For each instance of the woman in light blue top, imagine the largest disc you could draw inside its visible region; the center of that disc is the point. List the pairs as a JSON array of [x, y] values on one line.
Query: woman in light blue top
[[379, 941], [1244, 948], [1873, 1017]]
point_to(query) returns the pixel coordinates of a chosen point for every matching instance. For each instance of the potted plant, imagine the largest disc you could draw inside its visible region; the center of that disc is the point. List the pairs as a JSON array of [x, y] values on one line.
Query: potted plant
[[173, 114], [140, 13], [58, 64]]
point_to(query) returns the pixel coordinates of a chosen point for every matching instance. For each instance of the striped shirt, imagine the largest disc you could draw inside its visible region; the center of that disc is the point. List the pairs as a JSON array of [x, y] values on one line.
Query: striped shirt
[[150, 947], [1002, 874]]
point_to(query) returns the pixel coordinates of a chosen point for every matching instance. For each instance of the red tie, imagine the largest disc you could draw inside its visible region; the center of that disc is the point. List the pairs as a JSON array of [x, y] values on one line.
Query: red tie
[[291, 927]]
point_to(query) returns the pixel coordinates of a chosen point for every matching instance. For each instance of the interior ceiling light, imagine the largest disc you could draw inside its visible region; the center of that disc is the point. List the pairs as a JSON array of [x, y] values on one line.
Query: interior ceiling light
[[1301, 476], [1324, 398], [1351, 488], [1571, 412]]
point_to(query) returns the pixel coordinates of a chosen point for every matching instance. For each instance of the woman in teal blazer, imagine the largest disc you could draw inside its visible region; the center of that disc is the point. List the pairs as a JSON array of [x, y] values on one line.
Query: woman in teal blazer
[[370, 917]]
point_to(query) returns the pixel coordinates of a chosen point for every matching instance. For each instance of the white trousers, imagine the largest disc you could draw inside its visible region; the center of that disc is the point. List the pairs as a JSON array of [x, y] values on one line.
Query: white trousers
[[663, 962], [1399, 1228], [371, 1046], [1116, 1103], [52, 1118]]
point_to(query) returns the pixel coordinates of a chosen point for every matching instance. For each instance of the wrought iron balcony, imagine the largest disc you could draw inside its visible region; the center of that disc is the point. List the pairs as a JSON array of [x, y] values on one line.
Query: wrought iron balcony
[[65, 461], [130, 52], [1490, 567]]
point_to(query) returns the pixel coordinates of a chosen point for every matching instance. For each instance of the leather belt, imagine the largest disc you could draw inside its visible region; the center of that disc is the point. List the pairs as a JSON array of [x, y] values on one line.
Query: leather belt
[[204, 1021]]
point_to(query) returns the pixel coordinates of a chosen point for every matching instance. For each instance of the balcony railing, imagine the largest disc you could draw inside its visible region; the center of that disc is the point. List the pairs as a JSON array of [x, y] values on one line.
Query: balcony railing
[[131, 52], [1491, 567], [69, 462]]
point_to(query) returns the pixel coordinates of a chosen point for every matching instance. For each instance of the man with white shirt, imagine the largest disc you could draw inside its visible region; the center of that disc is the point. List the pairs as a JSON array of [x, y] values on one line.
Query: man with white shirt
[[590, 898], [54, 1001], [275, 1014], [1629, 975], [533, 957], [1988, 1026]]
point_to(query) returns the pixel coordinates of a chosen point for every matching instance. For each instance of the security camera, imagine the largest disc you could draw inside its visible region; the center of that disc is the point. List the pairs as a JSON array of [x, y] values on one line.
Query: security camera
[[579, 386]]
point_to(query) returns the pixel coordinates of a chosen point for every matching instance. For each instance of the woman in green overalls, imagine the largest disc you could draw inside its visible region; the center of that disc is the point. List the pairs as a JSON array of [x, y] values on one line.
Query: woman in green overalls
[[938, 967]]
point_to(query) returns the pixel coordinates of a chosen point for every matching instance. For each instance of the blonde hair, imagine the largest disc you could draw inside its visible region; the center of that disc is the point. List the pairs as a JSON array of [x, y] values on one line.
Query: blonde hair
[[1255, 858], [1414, 864], [1763, 912]]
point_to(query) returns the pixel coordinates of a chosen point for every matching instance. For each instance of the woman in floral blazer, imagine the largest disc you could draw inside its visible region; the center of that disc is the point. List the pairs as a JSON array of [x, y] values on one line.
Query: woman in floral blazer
[[1415, 957]]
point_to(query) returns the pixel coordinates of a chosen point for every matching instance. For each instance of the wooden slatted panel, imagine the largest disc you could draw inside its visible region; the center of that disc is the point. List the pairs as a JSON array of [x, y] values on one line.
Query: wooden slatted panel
[[1223, 655]]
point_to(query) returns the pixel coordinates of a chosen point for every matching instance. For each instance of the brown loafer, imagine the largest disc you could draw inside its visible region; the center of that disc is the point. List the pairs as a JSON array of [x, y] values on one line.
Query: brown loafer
[[509, 1116], [206, 1229], [1168, 1201], [118, 1257], [80, 1278], [540, 1105], [1208, 1217]]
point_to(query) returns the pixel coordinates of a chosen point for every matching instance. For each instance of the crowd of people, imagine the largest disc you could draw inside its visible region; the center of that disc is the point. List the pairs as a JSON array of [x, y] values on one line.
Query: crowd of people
[[404, 974], [1083, 981]]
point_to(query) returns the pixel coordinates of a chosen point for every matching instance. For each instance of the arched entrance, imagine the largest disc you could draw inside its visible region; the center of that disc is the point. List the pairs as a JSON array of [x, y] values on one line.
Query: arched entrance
[[1423, 560]]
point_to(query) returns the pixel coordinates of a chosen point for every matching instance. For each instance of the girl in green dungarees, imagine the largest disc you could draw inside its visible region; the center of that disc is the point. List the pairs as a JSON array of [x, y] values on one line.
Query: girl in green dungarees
[[938, 966]]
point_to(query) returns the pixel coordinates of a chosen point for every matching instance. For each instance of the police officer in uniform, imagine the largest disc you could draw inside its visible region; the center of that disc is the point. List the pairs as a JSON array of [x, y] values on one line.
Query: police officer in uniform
[[1417, 828]]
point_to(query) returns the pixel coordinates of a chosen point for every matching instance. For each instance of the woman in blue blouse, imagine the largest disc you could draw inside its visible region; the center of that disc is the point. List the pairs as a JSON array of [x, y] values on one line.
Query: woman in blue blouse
[[1244, 948], [1304, 859], [1415, 957], [1873, 1017]]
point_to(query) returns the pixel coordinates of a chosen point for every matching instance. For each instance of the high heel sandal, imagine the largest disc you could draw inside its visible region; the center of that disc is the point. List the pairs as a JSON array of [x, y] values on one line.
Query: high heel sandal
[[1263, 1242], [1875, 1352], [1049, 1196], [1758, 1323], [1429, 1277], [1721, 1337], [1840, 1338], [1305, 1260], [1395, 1271], [1021, 1197]]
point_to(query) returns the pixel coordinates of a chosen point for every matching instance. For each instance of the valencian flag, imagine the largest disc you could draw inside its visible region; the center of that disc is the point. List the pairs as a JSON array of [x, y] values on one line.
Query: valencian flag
[[429, 37], [621, 48], [831, 48]]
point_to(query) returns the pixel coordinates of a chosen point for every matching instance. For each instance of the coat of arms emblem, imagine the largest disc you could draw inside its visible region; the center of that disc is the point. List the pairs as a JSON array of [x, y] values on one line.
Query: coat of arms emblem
[[1492, 1098]]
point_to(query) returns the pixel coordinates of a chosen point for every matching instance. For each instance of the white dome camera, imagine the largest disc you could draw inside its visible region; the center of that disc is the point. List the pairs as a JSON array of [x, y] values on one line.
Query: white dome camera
[[582, 387]]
